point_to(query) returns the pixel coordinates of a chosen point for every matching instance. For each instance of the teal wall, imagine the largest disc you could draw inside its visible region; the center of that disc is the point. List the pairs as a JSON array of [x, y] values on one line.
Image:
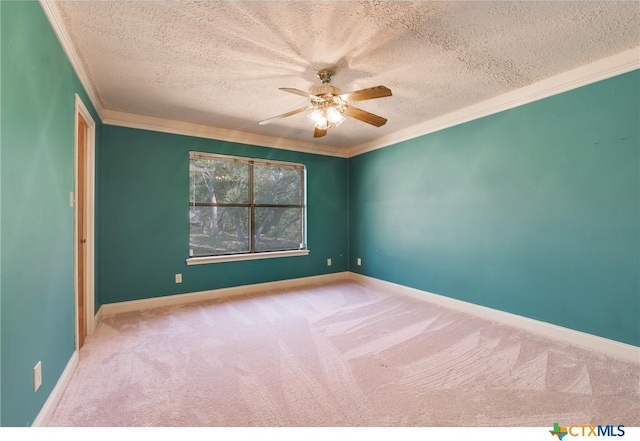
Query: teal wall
[[36, 174], [534, 211], [144, 237]]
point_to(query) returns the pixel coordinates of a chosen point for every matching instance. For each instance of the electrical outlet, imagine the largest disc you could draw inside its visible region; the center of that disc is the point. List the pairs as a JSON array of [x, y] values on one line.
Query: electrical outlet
[[328, 262], [37, 376], [359, 261], [178, 278]]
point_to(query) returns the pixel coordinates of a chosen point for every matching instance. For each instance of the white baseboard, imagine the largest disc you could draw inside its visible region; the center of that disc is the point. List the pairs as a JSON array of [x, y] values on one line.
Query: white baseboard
[[179, 299], [618, 350], [621, 351], [56, 394]]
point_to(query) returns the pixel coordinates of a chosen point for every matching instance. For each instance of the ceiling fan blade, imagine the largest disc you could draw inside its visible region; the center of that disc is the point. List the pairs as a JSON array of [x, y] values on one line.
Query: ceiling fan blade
[[297, 92], [366, 94], [318, 133], [284, 115], [364, 116]]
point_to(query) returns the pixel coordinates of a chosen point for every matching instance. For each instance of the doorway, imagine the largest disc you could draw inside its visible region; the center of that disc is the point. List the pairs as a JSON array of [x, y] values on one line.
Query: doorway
[[84, 222]]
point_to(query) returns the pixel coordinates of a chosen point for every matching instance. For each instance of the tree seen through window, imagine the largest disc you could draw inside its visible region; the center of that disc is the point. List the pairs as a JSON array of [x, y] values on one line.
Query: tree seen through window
[[240, 205]]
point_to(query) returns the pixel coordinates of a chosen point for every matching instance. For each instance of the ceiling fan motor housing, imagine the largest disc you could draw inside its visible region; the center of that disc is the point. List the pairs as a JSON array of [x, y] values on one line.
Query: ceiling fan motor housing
[[325, 89]]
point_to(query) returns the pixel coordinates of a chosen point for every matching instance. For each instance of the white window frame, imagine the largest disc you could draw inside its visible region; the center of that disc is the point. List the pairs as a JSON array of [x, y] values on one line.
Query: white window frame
[[303, 251]]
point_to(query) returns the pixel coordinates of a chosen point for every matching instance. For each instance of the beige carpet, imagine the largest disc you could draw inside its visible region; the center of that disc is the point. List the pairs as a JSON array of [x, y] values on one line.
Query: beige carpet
[[337, 355]]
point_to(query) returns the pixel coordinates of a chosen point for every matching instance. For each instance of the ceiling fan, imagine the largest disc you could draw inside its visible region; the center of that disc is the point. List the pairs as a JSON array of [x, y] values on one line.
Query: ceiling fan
[[329, 106]]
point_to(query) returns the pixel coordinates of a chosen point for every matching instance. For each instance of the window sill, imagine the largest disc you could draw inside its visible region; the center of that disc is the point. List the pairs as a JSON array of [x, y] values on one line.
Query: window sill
[[239, 257]]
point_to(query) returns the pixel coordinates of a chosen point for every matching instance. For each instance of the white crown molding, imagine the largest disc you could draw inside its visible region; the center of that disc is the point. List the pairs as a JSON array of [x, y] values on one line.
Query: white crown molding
[[133, 121], [590, 73], [53, 15], [50, 405], [164, 125], [616, 349], [599, 70]]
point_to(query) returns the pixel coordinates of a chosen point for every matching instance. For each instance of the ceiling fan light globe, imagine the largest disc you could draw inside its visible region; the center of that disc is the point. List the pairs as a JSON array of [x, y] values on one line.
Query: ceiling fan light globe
[[319, 118], [316, 115], [328, 106], [322, 124], [334, 117]]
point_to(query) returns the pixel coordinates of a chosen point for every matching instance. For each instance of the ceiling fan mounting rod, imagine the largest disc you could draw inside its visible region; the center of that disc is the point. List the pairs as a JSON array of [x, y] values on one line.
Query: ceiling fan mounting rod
[[326, 75]]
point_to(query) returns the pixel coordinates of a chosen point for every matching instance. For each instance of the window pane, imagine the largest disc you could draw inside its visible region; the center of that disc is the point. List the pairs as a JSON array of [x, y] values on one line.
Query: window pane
[[277, 185], [278, 229], [218, 230], [225, 216], [218, 182]]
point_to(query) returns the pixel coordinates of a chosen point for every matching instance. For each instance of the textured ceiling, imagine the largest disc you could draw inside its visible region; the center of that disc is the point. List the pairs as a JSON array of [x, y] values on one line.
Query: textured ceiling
[[220, 63]]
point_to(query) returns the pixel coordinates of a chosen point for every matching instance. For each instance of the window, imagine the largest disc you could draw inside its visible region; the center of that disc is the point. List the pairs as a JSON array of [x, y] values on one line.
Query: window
[[244, 208]]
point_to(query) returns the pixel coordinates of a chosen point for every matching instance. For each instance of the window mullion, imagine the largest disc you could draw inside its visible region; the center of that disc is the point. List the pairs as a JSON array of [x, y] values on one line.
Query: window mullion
[[252, 216]]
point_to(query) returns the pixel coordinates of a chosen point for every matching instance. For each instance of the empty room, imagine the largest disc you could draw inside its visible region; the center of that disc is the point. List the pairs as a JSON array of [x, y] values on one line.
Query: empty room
[[320, 214]]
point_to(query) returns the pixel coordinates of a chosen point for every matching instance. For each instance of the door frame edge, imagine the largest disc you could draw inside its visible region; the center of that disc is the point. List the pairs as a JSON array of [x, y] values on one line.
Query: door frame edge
[[89, 264]]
